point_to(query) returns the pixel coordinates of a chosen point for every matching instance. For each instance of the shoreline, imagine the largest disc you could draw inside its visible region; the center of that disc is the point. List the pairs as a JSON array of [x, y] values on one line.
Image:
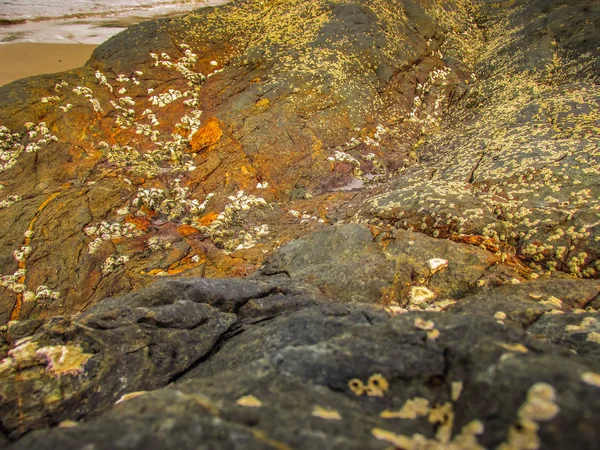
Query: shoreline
[[39, 46], [42, 58]]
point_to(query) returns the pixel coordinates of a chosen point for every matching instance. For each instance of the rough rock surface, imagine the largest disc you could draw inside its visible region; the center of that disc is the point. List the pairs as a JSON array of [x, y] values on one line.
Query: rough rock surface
[[197, 146], [308, 224], [256, 365]]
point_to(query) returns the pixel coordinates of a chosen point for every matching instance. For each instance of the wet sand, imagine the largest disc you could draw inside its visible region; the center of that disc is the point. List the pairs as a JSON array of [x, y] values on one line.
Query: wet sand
[[24, 59]]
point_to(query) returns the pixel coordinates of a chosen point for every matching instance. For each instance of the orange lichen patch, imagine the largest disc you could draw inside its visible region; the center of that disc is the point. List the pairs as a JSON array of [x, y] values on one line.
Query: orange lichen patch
[[324, 413], [412, 409], [206, 136], [64, 359], [141, 223], [249, 401], [480, 241], [262, 104], [187, 230], [375, 231], [207, 219], [16, 311], [444, 416], [514, 347], [397, 440], [129, 396], [356, 386]]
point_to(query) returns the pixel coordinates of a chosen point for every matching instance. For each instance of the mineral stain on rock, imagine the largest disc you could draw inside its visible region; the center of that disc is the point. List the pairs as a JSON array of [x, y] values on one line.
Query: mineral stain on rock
[[308, 224]]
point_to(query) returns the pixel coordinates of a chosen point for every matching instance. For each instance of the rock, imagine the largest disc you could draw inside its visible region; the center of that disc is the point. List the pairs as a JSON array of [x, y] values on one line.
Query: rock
[[348, 263], [180, 149], [293, 371], [374, 224], [526, 302]]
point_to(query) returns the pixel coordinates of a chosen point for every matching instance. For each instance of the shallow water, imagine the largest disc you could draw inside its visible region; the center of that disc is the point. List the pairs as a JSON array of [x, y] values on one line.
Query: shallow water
[[82, 21]]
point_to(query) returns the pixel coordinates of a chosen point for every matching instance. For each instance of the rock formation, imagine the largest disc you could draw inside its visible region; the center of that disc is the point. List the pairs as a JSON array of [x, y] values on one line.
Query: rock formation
[[308, 224]]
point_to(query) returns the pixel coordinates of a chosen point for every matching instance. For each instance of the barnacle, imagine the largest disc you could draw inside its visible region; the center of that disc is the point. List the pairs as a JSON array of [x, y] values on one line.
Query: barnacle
[[424, 324], [437, 264], [324, 413], [356, 386], [111, 263], [249, 401], [377, 385], [591, 378], [129, 396], [456, 390], [420, 294]]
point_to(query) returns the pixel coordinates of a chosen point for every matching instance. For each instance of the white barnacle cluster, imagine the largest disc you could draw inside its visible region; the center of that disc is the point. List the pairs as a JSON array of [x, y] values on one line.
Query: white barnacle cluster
[[66, 108], [146, 130], [174, 153], [111, 263], [106, 231], [150, 198], [174, 204], [347, 158], [22, 253], [341, 154], [88, 93], [102, 80], [12, 145], [220, 227], [122, 156], [12, 282], [10, 200], [164, 99], [184, 65], [249, 239], [155, 244], [375, 141], [437, 77], [41, 293], [10, 148], [58, 87], [126, 117], [51, 99]]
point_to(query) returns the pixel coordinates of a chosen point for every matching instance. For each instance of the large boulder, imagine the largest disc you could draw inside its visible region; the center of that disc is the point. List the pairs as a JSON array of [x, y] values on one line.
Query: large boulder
[[292, 370]]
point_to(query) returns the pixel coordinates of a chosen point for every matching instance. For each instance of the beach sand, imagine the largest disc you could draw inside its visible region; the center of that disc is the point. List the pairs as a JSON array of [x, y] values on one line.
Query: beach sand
[[24, 59]]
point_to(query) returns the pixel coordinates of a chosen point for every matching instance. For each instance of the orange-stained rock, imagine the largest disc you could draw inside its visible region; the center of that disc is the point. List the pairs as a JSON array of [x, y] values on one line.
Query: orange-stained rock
[[187, 230], [140, 222], [206, 136], [208, 219]]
